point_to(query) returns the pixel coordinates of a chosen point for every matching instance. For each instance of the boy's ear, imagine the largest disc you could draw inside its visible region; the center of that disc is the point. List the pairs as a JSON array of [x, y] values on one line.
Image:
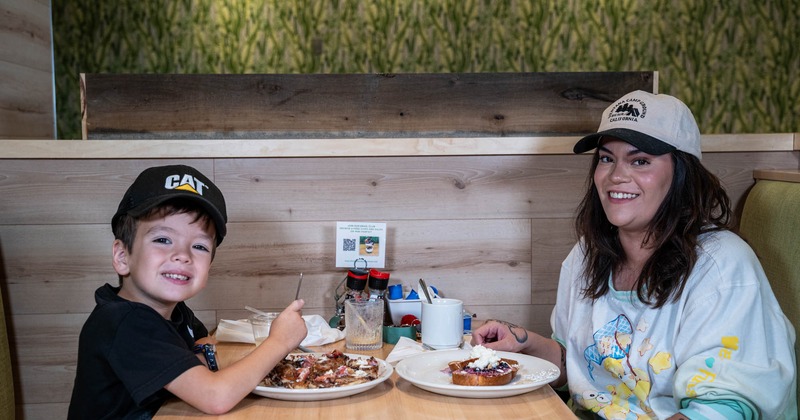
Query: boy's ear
[[119, 255]]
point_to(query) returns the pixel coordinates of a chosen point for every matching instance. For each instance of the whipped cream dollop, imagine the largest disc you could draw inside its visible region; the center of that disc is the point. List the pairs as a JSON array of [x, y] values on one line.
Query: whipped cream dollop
[[485, 358]]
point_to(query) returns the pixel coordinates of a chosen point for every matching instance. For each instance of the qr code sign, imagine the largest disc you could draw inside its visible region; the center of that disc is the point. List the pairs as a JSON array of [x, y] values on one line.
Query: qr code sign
[[349, 244]]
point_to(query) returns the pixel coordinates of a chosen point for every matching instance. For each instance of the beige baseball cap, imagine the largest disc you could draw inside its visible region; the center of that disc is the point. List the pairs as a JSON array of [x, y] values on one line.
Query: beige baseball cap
[[655, 124]]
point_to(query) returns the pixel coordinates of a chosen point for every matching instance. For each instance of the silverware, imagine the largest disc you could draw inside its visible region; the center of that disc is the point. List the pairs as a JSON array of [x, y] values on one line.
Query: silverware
[[304, 349], [256, 311], [297, 294], [424, 288]]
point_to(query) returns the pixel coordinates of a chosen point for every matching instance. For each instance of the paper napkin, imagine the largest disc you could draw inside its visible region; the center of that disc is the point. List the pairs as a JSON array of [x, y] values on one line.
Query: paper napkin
[[407, 347], [240, 331]]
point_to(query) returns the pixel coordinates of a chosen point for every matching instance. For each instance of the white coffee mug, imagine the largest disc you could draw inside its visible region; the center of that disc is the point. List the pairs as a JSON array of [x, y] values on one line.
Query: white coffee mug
[[442, 323]]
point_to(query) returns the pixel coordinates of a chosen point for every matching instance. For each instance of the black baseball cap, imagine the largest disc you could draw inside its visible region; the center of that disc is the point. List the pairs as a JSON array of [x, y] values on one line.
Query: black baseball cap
[[161, 183]]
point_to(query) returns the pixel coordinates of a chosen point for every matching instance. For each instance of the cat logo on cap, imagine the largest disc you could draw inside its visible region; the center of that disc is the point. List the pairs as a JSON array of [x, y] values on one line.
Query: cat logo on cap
[[185, 183]]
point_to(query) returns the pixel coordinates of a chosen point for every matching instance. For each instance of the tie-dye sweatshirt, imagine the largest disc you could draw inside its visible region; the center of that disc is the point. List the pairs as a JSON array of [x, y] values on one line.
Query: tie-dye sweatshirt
[[723, 350]]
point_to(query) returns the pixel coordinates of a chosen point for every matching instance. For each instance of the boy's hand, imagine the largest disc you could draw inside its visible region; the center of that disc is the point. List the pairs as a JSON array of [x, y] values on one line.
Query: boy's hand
[[289, 328]]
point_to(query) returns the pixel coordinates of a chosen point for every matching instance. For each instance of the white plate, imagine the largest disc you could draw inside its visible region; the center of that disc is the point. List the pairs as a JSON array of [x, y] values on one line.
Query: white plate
[[384, 372], [429, 371]]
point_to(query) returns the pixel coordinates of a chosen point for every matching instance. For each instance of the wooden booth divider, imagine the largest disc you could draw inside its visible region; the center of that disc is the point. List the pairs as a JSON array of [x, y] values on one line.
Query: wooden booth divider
[[247, 106]]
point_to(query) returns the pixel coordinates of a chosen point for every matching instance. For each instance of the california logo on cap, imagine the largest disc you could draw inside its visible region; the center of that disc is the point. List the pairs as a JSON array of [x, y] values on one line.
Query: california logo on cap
[[630, 109]]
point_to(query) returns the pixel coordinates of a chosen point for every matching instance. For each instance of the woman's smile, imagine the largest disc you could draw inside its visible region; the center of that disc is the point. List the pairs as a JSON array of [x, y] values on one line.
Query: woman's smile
[[632, 184]]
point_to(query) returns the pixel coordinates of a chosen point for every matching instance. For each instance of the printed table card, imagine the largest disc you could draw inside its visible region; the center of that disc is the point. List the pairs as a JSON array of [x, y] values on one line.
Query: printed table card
[[360, 241]]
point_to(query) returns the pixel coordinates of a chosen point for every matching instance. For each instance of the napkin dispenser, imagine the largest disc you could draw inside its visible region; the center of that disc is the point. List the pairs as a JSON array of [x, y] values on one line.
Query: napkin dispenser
[[400, 307]]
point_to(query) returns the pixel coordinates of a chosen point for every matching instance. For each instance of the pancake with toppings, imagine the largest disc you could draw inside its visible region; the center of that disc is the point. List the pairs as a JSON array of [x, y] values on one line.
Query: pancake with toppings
[[310, 371], [483, 368]]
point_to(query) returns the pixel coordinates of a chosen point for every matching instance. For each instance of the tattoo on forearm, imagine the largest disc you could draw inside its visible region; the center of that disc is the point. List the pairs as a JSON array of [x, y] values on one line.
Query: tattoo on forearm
[[563, 358], [521, 337]]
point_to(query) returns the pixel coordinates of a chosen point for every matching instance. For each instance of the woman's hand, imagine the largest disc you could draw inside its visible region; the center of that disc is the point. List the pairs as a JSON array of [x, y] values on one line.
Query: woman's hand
[[505, 336], [501, 335]]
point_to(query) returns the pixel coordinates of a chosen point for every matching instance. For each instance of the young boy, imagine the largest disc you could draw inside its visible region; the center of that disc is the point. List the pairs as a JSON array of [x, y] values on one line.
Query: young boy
[[137, 347]]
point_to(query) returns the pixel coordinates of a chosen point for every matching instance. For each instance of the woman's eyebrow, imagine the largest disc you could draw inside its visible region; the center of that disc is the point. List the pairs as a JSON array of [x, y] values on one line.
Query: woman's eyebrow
[[631, 152]]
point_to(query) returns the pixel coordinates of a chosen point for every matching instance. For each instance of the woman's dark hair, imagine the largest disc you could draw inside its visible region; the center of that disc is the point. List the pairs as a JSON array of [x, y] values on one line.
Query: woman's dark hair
[[696, 203]]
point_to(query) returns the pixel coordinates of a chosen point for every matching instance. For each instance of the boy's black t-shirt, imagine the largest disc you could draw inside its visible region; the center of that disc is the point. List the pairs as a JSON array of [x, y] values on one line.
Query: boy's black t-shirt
[[127, 353]]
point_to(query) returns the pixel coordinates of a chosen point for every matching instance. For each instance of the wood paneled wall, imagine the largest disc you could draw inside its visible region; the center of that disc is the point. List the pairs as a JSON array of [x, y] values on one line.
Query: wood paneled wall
[[26, 70], [491, 230]]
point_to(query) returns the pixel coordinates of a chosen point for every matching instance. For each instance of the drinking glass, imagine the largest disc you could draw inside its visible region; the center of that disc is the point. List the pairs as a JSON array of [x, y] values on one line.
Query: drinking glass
[[261, 325], [363, 324]]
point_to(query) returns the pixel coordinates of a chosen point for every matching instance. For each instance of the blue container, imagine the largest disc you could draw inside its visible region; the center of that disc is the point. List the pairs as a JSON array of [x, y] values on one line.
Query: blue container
[[396, 291]]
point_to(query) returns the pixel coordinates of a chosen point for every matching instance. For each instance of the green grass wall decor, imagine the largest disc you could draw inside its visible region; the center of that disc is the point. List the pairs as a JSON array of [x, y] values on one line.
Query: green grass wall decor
[[736, 64]]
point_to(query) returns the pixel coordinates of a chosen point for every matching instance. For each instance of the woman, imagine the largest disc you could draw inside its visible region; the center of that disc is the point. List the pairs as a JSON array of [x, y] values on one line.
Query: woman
[[662, 311]]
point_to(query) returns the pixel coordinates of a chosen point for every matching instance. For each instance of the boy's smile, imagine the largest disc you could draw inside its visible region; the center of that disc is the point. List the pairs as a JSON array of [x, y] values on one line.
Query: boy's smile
[[169, 262]]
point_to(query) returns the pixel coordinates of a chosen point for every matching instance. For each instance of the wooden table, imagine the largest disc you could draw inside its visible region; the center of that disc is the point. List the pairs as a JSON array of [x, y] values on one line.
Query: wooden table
[[395, 398]]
